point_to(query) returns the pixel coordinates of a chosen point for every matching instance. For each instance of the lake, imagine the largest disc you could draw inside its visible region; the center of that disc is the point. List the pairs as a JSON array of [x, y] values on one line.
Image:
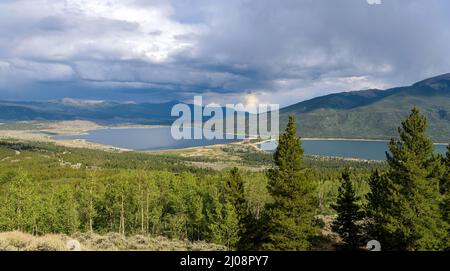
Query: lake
[[159, 138], [359, 149]]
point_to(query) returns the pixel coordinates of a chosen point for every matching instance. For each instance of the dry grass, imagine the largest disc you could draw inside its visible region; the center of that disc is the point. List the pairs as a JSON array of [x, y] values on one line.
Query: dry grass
[[114, 241], [330, 240], [222, 155], [18, 241]]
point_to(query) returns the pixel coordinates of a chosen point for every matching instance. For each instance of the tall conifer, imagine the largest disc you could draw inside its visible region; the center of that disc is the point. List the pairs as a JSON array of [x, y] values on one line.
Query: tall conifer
[[411, 212], [444, 187], [378, 204], [290, 217], [249, 226], [347, 223]]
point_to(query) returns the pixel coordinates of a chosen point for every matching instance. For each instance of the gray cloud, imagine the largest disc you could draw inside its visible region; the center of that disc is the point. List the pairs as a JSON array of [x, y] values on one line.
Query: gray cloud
[[52, 23], [278, 51]]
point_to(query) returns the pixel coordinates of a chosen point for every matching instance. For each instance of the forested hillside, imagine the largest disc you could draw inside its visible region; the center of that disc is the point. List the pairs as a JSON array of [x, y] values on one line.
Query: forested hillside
[[98, 111], [50, 189], [374, 114]]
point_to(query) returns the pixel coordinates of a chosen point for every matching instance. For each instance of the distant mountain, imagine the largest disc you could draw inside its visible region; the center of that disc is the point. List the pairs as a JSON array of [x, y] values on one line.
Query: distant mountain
[[371, 114], [99, 111], [102, 112], [374, 113]]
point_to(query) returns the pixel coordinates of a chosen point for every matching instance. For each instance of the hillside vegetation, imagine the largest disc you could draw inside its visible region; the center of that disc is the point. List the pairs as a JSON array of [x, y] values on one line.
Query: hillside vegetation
[[374, 114], [131, 199], [19, 241], [369, 114], [70, 190]]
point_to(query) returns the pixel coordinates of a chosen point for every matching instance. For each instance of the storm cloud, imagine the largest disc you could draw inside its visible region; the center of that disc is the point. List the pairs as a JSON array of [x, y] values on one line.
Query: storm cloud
[[272, 51]]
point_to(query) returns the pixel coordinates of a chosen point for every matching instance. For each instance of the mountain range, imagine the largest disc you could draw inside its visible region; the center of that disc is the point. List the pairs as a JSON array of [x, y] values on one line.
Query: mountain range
[[104, 112], [374, 113], [370, 114]]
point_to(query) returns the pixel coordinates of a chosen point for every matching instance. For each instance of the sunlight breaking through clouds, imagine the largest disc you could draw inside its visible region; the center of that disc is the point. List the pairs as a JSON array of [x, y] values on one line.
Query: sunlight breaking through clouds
[[275, 51]]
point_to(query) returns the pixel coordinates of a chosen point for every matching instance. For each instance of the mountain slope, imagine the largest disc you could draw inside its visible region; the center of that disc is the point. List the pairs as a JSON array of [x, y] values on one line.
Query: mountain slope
[[374, 114], [104, 112]]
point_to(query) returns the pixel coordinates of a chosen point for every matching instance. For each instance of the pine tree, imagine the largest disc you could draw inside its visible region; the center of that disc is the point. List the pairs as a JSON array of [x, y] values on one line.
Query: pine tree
[[236, 193], [349, 214], [248, 224], [290, 217], [223, 223], [375, 210], [412, 217], [444, 187]]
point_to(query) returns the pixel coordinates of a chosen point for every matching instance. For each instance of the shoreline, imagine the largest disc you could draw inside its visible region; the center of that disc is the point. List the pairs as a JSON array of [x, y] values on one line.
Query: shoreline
[[345, 139], [50, 132], [102, 127]]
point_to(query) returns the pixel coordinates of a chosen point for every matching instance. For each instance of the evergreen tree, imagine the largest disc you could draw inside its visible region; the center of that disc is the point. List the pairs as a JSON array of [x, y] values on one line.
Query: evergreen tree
[[413, 219], [444, 187], [290, 217], [375, 210], [248, 224], [349, 214], [223, 223], [236, 193]]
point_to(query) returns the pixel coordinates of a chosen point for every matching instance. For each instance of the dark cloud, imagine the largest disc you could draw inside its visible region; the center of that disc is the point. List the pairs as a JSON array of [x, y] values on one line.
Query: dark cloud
[[280, 51], [52, 23]]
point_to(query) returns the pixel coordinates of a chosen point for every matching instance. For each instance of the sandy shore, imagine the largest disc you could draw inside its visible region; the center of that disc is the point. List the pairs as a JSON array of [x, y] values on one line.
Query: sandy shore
[[47, 130], [345, 139], [44, 132]]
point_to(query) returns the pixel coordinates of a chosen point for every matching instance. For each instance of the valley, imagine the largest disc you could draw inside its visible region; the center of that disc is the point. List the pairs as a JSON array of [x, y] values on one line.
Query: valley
[[56, 181]]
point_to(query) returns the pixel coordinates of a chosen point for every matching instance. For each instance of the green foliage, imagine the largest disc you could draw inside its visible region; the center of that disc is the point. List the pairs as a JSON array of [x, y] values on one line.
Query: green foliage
[[19, 204], [46, 188], [377, 204], [406, 209], [223, 223], [347, 223], [373, 114], [248, 221], [88, 195], [236, 193], [55, 197], [290, 216], [61, 208], [444, 187]]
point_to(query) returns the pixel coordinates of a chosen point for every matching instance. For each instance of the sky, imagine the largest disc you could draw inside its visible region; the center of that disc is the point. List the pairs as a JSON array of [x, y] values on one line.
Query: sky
[[248, 51]]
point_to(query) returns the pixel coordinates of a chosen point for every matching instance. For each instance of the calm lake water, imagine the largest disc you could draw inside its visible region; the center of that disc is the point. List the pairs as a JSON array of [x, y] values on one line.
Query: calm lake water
[[369, 150], [160, 139]]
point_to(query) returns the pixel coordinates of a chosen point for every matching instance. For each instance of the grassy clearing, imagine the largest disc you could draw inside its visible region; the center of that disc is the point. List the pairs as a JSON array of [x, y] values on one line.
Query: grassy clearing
[[19, 241]]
